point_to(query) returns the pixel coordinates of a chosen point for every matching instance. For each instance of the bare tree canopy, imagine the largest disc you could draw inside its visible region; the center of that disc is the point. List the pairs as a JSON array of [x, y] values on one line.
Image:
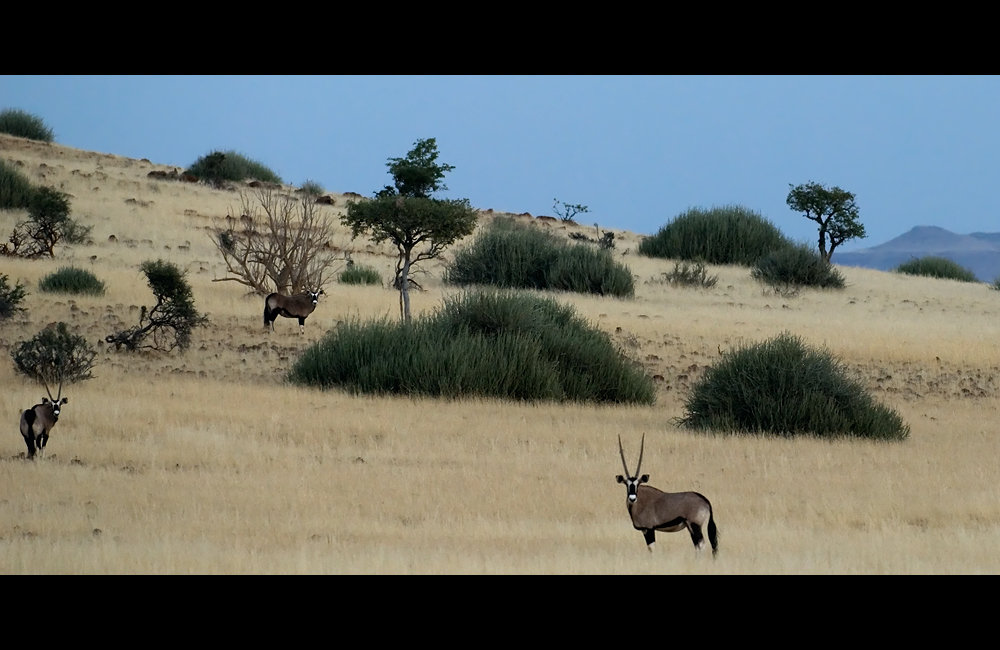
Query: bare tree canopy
[[277, 243]]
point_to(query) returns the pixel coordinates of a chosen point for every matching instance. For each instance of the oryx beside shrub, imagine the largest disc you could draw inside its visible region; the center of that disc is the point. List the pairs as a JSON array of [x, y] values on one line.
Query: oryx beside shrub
[[653, 510], [298, 306], [37, 421]]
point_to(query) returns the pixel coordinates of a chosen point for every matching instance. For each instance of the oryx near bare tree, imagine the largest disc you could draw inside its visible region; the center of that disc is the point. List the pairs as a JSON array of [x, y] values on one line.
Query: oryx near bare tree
[[37, 422], [298, 306], [653, 510], [278, 243]]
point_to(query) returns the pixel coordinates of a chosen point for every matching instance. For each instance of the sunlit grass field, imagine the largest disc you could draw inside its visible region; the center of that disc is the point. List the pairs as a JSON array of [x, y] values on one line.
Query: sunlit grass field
[[208, 462]]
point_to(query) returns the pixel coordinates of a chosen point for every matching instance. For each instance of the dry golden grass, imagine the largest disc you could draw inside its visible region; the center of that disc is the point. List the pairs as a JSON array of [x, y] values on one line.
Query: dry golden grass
[[208, 463]]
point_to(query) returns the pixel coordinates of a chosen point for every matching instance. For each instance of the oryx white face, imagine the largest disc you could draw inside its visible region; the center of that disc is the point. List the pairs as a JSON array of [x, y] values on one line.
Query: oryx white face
[[56, 405], [632, 485], [315, 295]]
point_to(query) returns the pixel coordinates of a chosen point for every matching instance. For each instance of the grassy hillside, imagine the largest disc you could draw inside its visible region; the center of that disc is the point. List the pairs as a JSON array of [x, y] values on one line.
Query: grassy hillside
[[209, 462]]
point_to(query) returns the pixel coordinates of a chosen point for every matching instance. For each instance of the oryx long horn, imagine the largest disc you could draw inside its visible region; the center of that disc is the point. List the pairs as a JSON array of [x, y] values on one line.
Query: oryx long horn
[[622, 452], [642, 446], [46, 385]]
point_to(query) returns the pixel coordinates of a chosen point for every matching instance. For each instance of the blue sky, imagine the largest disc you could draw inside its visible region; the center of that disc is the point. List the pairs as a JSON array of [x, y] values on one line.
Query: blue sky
[[636, 150]]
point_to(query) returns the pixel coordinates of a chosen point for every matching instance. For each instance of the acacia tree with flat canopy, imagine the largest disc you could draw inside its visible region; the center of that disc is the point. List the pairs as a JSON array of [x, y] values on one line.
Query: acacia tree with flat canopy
[[408, 216], [833, 209]]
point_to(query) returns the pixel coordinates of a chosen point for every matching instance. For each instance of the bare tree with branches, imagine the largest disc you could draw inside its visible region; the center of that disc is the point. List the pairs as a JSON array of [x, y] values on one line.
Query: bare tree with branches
[[277, 243]]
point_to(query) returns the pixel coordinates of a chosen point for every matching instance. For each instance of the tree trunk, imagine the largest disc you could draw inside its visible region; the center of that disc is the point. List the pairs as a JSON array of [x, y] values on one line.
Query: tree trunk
[[822, 244], [404, 288]]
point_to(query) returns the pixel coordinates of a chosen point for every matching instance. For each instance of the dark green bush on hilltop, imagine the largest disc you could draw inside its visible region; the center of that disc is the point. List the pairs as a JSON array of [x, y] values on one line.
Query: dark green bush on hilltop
[[512, 256], [480, 344], [15, 189], [220, 166], [730, 234], [937, 267], [23, 124], [72, 280], [781, 387]]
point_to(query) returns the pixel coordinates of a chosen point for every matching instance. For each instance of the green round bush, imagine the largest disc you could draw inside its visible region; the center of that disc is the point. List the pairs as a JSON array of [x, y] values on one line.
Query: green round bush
[[796, 266], [937, 267], [360, 274], [479, 344], [781, 387], [730, 234], [23, 124], [219, 166], [16, 190], [509, 255], [72, 280], [312, 188]]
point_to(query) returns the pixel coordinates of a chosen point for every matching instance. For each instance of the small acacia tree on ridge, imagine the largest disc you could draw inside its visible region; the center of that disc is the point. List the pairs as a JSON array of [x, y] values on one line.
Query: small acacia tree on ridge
[[48, 223], [171, 321], [833, 209], [407, 216]]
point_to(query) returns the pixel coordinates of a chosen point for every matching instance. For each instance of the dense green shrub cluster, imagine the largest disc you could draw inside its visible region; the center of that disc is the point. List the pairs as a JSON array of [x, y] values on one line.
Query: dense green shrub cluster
[[512, 256], [360, 274], [730, 234], [15, 189], [797, 266], [23, 124], [479, 344], [937, 267], [220, 166], [10, 297], [782, 387], [72, 280]]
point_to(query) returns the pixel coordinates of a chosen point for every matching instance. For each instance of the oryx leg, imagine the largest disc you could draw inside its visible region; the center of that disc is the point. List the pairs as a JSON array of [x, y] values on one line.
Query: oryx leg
[[29, 440], [42, 441], [302, 326], [650, 536], [696, 535]]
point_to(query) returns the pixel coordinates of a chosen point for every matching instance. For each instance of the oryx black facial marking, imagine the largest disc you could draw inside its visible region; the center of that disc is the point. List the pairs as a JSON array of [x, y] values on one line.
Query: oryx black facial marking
[[297, 306], [37, 422], [653, 510]]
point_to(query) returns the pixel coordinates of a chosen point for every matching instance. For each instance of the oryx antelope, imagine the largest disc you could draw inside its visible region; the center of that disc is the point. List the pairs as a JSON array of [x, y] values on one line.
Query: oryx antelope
[[37, 421], [298, 306], [653, 510]]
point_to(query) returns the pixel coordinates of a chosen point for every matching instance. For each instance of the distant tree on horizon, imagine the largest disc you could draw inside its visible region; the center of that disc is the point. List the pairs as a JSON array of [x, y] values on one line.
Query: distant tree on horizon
[[833, 209]]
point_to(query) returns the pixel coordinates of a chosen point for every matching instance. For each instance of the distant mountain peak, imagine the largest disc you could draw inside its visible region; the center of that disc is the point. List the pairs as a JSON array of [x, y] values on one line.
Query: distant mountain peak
[[978, 251], [931, 240]]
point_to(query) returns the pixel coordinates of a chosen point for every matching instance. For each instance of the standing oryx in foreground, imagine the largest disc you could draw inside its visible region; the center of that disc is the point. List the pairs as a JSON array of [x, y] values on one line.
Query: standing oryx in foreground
[[37, 421], [652, 510], [298, 306]]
